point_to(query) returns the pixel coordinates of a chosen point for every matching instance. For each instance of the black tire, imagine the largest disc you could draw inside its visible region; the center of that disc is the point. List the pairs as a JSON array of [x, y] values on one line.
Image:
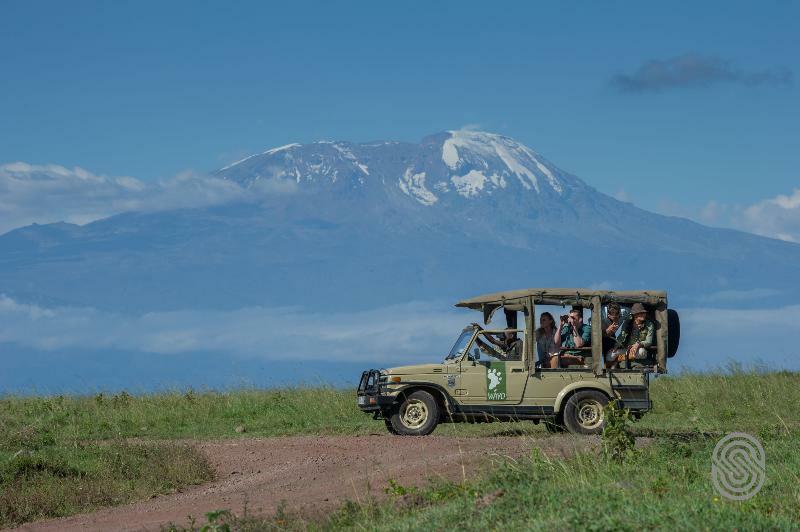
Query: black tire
[[389, 427], [585, 412], [416, 415], [554, 425], [673, 332]]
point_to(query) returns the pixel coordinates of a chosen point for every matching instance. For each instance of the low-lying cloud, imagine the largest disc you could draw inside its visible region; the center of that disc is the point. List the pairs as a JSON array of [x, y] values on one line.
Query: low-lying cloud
[[409, 333], [414, 330], [777, 217], [51, 193], [695, 70]]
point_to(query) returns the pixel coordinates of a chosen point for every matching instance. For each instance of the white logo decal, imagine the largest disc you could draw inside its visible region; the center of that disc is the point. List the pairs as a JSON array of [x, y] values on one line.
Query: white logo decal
[[494, 378]]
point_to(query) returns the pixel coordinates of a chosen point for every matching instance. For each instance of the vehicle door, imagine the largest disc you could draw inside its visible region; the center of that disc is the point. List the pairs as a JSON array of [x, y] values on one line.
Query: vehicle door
[[486, 378]]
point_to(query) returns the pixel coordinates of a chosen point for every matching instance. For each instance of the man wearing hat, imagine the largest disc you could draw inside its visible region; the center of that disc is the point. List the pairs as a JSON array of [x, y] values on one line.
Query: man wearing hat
[[633, 341]]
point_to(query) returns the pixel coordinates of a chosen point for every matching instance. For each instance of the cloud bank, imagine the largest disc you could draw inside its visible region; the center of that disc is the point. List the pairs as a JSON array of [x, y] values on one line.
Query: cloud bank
[[52, 193], [694, 70], [417, 331], [409, 333], [778, 217]]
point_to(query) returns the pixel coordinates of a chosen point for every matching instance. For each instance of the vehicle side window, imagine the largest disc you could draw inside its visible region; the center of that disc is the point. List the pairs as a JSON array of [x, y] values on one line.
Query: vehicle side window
[[485, 348]]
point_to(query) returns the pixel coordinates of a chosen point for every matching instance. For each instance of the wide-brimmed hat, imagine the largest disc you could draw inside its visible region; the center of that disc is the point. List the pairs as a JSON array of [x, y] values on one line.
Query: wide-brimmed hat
[[638, 308]]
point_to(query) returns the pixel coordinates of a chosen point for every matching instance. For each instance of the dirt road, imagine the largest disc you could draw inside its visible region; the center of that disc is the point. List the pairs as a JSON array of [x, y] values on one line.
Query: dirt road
[[313, 474]]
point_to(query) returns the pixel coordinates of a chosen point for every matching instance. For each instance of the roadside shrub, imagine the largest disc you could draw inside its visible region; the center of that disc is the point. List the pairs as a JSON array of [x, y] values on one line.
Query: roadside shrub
[[617, 442]]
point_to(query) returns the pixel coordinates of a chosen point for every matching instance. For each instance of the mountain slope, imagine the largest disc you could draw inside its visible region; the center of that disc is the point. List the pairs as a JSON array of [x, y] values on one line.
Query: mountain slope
[[340, 224]]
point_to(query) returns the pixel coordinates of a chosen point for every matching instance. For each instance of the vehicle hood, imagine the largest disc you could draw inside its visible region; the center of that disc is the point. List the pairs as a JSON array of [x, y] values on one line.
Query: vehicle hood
[[417, 369]]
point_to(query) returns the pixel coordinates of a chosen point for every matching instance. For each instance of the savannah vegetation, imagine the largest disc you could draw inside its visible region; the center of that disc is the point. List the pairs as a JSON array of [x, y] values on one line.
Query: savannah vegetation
[[63, 455]]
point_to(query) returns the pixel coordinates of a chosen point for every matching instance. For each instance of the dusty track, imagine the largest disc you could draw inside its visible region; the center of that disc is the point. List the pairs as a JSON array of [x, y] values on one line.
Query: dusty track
[[313, 474]]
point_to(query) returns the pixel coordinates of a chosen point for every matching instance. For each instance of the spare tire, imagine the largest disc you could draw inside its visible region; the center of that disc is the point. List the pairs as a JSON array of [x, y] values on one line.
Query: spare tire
[[673, 332]]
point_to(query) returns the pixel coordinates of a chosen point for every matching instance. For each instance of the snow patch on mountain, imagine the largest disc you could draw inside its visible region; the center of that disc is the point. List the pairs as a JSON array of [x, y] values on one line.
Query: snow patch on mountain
[[268, 152], [478, 148], [474, 181], [414, 185]]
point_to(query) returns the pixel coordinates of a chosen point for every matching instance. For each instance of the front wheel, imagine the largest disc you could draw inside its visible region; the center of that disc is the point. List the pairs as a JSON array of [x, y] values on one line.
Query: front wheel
[[389, 426], [417, 415], [585, 412]]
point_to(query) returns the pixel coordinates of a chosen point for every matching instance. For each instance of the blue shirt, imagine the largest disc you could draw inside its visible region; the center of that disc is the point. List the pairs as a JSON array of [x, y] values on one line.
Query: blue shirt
[[568, 340]]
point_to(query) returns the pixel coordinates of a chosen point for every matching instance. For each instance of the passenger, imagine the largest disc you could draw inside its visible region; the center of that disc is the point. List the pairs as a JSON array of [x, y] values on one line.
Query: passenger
[[545, 339], [611, 326], [506, 347], [572, 333], [633, 344]]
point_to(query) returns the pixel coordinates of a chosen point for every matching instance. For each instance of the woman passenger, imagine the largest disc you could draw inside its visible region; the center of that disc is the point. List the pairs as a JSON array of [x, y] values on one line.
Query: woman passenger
[[545, 339]]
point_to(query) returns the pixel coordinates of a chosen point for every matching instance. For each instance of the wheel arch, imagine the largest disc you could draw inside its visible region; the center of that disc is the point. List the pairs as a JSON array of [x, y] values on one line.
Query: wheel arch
[[441, 396], [571, 389]]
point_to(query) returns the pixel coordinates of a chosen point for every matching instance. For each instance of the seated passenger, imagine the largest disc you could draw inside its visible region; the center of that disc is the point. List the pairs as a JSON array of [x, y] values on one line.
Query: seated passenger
[[634, 342], [611, 324], [505, 347], [572, 333], [545, 339]]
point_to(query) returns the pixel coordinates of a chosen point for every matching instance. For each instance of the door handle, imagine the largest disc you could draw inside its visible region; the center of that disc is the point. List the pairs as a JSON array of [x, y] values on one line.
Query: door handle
[[516, 370]]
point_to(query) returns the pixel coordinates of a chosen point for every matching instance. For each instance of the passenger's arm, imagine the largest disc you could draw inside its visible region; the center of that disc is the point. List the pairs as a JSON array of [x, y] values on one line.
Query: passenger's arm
[[577, 337], [650, 338], [493, 340], [586, 337], [557, 337], [582, 339]]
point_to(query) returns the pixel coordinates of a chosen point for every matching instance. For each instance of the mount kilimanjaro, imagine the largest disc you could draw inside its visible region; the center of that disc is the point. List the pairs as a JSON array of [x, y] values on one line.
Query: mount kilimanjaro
[[332, 225]]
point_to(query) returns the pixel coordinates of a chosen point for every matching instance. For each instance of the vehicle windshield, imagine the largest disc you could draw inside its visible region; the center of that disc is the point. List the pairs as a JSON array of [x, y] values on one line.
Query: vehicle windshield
[[461, 344]]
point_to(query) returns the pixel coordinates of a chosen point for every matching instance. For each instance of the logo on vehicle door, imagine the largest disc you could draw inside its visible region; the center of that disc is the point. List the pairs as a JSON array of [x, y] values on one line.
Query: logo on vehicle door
[[496, 381]]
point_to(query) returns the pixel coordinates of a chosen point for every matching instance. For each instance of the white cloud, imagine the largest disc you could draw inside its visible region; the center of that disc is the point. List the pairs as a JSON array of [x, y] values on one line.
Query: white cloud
[[52, 193], [777, 217], [414, 331], [411, 333], [621, 195]]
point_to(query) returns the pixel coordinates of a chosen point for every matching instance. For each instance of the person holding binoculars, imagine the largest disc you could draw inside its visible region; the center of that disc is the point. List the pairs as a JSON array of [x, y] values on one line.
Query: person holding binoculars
[[572, 333]]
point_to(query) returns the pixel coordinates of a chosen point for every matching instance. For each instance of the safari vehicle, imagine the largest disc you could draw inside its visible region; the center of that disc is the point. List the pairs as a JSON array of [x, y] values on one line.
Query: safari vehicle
[[473, 386]]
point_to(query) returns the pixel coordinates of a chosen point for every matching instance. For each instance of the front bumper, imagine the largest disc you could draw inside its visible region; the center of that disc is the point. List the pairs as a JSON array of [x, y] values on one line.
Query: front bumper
[[371, 393]]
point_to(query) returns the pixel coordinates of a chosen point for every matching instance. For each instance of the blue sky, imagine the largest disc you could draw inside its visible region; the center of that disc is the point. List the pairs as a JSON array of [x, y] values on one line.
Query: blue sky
[[684, 108], [150, 89]]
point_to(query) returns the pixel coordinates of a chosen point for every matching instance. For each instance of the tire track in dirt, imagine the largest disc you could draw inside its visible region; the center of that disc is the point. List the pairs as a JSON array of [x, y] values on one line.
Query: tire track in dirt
[[314, 474]]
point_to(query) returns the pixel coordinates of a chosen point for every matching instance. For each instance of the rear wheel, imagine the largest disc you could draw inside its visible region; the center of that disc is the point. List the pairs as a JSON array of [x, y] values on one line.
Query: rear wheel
[[585, 412], [417, 415]]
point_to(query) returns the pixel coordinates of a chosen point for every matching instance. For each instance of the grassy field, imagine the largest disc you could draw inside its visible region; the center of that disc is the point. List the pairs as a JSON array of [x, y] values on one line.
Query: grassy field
[[62, 455]]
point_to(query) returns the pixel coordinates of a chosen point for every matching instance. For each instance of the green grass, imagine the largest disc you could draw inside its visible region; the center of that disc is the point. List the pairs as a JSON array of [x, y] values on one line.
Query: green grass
[[665, 485], [80, 453], [59, 479]]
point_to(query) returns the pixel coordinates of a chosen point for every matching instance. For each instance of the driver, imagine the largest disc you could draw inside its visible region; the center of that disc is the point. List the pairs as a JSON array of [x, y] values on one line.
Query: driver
[[505, 345]]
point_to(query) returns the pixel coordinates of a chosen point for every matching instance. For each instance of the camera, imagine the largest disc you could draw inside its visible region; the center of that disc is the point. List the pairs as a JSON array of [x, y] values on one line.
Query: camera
[[565, 318]]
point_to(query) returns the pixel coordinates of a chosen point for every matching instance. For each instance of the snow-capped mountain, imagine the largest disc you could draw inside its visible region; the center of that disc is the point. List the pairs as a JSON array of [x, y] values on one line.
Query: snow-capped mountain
[[332, 224], [468, 164]]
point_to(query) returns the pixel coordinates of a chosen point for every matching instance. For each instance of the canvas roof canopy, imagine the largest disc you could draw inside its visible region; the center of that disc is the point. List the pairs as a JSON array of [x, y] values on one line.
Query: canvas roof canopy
[[562, 296]]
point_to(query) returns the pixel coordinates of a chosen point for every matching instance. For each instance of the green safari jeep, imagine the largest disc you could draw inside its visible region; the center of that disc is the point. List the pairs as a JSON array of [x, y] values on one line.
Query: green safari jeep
[[476, 383]]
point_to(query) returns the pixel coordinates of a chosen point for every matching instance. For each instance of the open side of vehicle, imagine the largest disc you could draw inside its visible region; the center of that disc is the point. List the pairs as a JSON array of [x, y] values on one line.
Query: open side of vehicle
[[475, 385]]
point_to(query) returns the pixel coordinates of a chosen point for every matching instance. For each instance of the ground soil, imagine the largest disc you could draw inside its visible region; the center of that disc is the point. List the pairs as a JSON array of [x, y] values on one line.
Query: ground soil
[[311, 475]]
